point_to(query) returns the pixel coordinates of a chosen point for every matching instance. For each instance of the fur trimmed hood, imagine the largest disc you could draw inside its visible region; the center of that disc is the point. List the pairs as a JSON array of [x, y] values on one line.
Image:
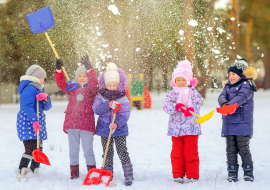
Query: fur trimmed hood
[[122, 84], [30, 78]]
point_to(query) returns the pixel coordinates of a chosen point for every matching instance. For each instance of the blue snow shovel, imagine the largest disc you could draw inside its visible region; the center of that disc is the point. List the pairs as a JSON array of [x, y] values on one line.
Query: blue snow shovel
[[40, 21]]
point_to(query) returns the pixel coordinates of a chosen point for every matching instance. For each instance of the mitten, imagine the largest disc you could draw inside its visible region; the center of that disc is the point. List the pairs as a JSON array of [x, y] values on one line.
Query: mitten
[[179, 108], [112, 104], [114, 126], [187, 113], [36, 126], [42, 96], [86, 62], [59, 64]]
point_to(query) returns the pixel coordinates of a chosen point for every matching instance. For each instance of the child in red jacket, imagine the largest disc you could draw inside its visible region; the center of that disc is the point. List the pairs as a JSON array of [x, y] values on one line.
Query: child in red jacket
[[79, 121]]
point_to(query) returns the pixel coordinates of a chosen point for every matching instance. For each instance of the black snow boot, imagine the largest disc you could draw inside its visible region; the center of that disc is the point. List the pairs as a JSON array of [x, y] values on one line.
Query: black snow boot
[[34, 165], [24, 163], [248, 172], [233, 173], [128, 174]]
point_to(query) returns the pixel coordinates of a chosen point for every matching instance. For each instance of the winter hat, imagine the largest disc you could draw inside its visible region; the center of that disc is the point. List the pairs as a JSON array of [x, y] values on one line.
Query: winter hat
[[239, 66], [81, 69], [36, 71], [111, 74], [184, 69]]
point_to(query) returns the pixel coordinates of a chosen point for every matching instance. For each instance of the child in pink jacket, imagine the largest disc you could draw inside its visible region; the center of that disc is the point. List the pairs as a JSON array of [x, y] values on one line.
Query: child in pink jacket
[[79, 121]]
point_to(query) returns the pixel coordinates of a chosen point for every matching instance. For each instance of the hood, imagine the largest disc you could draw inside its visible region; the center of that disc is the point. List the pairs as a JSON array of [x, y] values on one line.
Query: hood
[[25, 80], [122, 84]]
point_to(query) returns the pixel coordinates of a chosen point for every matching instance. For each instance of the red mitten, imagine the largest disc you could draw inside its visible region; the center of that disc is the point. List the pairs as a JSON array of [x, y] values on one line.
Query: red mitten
[[42, 96], [179, 108], [187, 113], [36, 126]]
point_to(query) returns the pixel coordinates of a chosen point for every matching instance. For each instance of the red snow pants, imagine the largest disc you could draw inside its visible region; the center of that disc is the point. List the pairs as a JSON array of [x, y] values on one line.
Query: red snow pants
[[185, 156]]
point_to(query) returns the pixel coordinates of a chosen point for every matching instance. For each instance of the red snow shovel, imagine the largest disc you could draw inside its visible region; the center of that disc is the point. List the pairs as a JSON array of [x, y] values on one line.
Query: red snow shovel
[[97, 176], [37, 154], [229, 109]]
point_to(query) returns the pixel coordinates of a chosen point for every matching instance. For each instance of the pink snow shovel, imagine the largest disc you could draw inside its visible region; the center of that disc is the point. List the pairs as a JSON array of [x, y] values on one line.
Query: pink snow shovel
[[37, 154], [201, 119], [97, 176]]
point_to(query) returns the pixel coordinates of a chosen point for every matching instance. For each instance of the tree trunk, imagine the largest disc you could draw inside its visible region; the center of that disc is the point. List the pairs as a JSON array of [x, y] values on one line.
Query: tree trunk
[[249, 29], [267, 68], [165, 73], [234, 27]]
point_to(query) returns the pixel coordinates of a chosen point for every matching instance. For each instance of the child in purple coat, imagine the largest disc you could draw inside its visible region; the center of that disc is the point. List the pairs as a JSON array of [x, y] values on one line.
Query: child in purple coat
[[112, 91], [238, 127]]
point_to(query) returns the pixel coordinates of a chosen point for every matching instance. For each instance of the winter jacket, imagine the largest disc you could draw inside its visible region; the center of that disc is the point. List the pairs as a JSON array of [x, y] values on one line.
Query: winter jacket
[[101, 108], [179, 125], [79, 114], [241, 121], [28, 111]]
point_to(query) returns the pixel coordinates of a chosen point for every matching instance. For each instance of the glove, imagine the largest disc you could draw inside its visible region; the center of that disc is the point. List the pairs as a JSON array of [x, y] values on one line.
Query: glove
[[86, 62], [112, 104], [114, 126], [42, 96], [59, 64], [187, 113], [179, 108], [36, 126]]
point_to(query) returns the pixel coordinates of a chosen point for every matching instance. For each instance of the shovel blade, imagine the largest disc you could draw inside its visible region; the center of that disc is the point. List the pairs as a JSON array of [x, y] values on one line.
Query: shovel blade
[[205, 117], [98, 176], [41, 20], [40, 157], [230, 109]]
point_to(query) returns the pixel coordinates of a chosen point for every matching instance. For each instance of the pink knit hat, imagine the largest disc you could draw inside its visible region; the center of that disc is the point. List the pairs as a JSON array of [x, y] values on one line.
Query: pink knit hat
[[184, 69]]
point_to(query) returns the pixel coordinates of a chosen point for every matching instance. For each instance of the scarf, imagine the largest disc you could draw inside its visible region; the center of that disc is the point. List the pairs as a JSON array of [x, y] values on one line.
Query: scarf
[[111, 94], [37, 85], [184, 96]]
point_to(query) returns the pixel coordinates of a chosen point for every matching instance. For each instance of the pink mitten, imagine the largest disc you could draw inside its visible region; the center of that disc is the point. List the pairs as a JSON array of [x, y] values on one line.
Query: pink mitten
[[42, 96], [179, 108], [114, 126], [187, 113], [112, 104], [36, 126]]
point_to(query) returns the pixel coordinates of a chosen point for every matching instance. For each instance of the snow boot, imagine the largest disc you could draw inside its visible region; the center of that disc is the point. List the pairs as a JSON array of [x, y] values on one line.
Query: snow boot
[[191, 180], [34, 165], [74, 171], [24, 162], [248, 172], [109, 169], [36, 171], [233, 173], [90, 167], [22, 173], [128, 173], [179, 180]]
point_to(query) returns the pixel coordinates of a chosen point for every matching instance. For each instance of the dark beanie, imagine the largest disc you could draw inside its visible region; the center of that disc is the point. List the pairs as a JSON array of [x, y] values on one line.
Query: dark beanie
[[239, 66]]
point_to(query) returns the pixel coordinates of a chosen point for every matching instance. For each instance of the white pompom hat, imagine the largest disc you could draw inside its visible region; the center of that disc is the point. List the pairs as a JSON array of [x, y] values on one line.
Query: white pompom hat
[[111, 74]]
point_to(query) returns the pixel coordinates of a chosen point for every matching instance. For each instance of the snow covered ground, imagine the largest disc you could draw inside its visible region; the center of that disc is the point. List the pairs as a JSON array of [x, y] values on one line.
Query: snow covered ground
[[149, 148]]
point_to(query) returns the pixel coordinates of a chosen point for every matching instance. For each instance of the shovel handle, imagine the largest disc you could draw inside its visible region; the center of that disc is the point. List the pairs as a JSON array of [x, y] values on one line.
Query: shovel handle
[[184, 108], [38, 121]]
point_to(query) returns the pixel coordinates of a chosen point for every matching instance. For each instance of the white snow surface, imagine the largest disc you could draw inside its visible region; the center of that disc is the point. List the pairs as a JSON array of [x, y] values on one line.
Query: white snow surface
[[149, 148]]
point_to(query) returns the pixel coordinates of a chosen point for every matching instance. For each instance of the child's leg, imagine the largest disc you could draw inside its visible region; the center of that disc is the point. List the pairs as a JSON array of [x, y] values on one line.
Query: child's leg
[[87, 145], [177, 157], [27, 156], [243, 147], [74, 149], [35, 165], [110, 153], [232, 150], [191, 156]]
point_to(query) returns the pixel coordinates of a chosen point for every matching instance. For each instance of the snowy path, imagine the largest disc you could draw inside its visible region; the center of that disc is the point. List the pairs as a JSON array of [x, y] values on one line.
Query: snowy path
[[149, 149]]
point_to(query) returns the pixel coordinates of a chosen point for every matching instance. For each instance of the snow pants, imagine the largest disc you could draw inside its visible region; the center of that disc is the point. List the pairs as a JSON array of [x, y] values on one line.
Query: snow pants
[[185, 156], [87, 138], [238, 144], [121, 148]]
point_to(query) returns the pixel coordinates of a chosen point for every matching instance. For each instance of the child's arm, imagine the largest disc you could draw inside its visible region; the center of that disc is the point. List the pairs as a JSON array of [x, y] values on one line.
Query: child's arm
[[243, 95], [196, 102], [222, 99], [169, 105], [46, 105], [29, 103], [61, 81], [99, 107], [123, 115], [92, 82]]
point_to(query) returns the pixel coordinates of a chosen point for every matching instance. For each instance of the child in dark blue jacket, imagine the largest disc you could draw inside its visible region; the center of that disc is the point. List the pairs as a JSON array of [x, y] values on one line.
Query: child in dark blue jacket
[[238, 127], [30, 90]]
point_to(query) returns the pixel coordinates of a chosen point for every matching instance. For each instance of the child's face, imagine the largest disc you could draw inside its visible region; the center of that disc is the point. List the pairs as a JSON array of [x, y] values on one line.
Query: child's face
[[82, 79], [112, 85], [180, 82], [41, 81], [233, 77]]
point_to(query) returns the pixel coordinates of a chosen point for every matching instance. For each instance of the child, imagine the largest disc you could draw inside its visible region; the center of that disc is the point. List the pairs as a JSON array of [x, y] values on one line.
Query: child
[[238, 127], [79, 121], [112, 91], [30, 89], [182, 126]]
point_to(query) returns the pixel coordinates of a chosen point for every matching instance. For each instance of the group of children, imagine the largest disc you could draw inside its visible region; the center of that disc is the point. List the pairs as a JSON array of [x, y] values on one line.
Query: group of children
[[101, 98]]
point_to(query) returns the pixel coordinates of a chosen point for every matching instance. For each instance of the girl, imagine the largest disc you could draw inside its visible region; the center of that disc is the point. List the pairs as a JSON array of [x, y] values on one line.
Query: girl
[[112, 91], [182, 126], [238, 127], [79, 121], [30, 89]]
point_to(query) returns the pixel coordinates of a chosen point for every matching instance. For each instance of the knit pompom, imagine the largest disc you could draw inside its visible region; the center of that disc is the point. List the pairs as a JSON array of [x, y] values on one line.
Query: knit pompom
[[250, 72], [193, 82], [111, 67], [184, 64]]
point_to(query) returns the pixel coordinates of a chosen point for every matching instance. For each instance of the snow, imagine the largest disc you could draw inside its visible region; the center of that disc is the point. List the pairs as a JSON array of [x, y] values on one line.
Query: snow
[[193, 23], [149, 148], [114, 9]]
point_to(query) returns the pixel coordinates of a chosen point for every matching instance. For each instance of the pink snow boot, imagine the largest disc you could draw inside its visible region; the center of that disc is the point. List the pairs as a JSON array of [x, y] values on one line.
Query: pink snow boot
[[74, 172]]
